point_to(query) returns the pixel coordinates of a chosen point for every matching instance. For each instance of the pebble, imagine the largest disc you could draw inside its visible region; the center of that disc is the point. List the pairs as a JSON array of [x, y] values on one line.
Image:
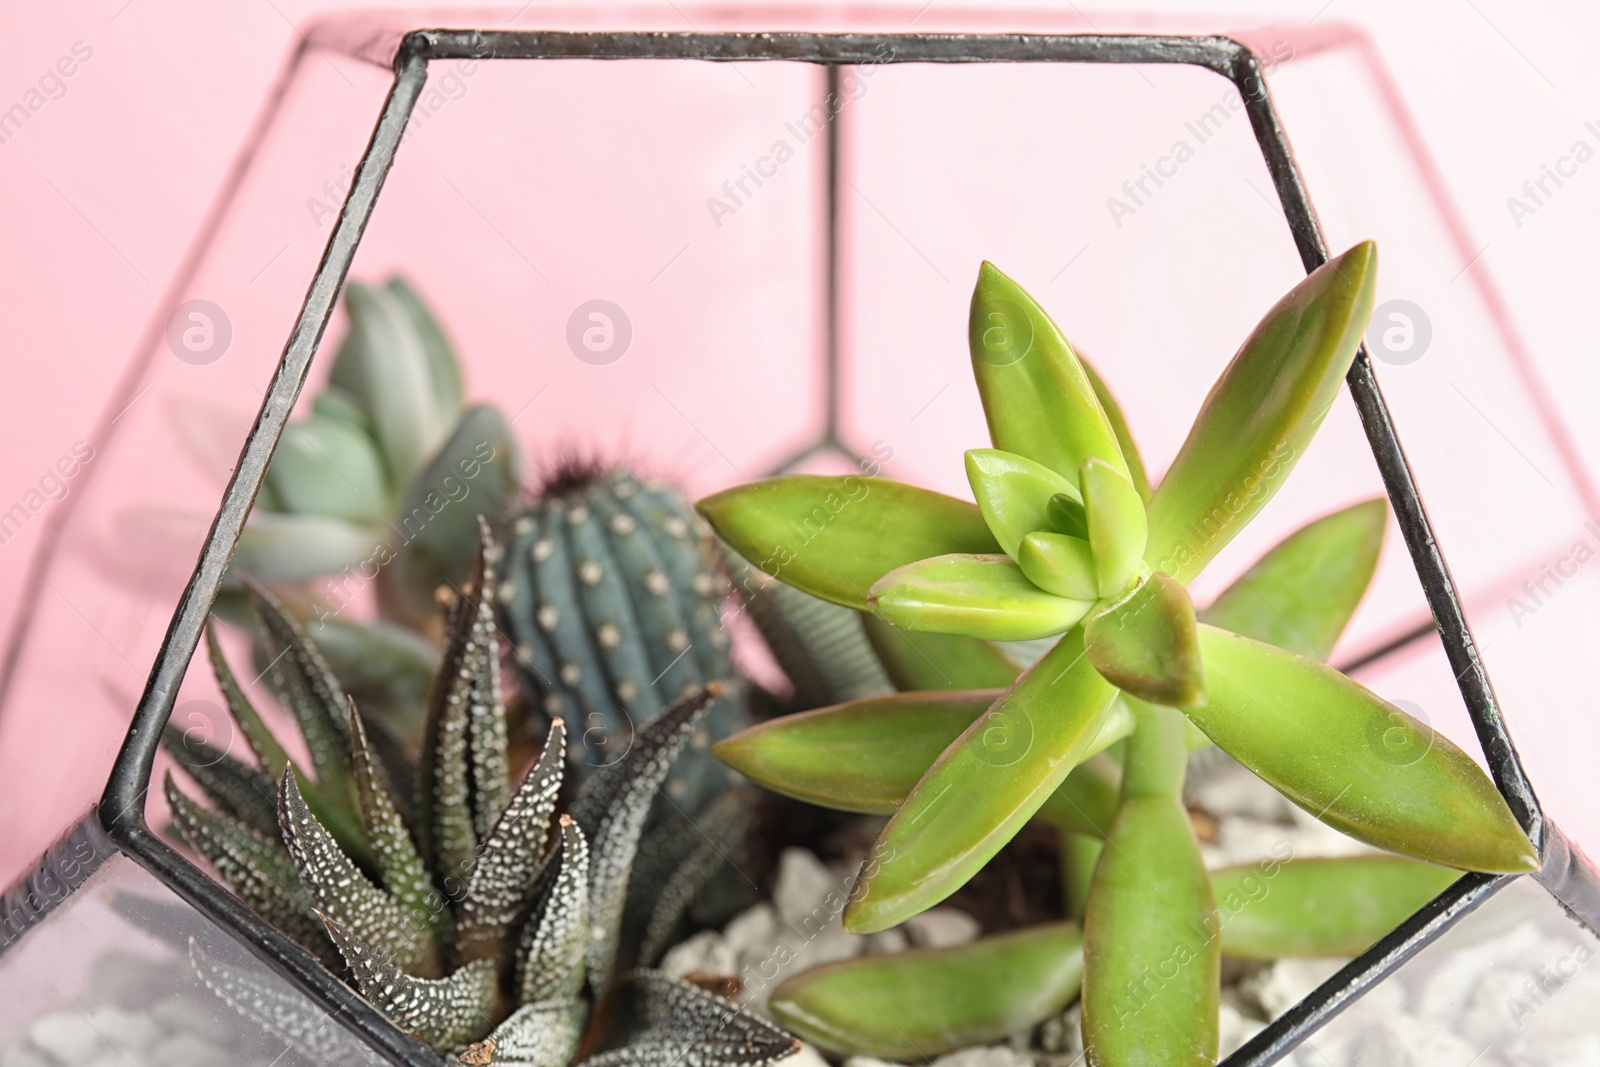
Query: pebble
[[991, 1056], [1407, 1041], [1286, 982], [941, 928], [805, 1056], [806, 892], [66, 1035], [187, 1050], [893, 939], [1062, 1035], [21, 1054], [869, 1061], [1234, 1027], [124, 1031], [707, 951], [1230, 789], [753, 931]]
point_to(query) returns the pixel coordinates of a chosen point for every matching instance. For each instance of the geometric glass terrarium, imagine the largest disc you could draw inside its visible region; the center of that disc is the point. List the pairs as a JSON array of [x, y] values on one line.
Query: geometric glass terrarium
[[786, 314]]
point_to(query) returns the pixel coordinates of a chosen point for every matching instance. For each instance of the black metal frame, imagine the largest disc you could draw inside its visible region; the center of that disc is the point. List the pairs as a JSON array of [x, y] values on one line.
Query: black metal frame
[[1565, 873]]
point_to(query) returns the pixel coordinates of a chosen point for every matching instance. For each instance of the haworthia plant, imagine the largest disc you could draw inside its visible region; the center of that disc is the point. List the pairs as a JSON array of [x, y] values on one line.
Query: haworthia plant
[[1069, 541], [489, 926]]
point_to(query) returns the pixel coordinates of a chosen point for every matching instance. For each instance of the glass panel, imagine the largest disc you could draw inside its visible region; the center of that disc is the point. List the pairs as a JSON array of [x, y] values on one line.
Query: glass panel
[[124, 972]]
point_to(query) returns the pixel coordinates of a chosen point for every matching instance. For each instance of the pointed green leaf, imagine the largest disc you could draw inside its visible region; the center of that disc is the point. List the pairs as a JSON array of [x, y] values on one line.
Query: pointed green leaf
[[405, 876], [305, 684], [448, 834], [984, 596], [338, 815], [388, 668], [1327, 744], [265, 746], [341, 892], [499, 884], [442, 1013], [1119, 427], [237, 789], [284, 549], [1036, 396], [1261, 414], [1060, 564], [1064, 515], [685, 854], [611, 809], [255, 867], [1320, 907], [835, 536], [862, 756], [1114, 516], [1151, 965], [978, 794], [487, 743], [327, 467], [1300, 595], [542, 1034], [868, 755], [1145, 644], [476, 472], [1013, 494], [679, 1023], [552, 956], [924, 661], [922, 1003]]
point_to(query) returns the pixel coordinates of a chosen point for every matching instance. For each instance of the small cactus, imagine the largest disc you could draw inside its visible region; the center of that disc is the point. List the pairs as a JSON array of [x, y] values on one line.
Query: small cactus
[[611, 595]]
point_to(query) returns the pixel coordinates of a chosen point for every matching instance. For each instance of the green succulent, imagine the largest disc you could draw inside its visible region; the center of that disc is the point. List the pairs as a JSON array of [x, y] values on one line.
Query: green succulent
[[467, 911], [611, 597], [382, 482], [1069, 541]]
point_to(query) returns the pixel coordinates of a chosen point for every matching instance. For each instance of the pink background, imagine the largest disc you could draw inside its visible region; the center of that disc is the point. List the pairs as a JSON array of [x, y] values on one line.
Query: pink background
[[107, 182]]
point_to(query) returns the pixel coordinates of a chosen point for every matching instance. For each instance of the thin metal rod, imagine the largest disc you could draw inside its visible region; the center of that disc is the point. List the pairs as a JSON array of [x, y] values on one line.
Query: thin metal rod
[[1420, 632], [1291, 1028], [276, 950], [833, 105], [1570, 877], [1213, 53], [121, 810]]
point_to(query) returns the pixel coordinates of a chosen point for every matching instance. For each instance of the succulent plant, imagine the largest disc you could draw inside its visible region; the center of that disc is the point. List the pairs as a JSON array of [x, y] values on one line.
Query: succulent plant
[[382, 482], [611, 596], [381, 485], [478, 921], [1068, 541]]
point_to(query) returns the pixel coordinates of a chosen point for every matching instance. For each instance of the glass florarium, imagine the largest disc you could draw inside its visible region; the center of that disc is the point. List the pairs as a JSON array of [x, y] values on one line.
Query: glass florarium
[[768, 542]]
